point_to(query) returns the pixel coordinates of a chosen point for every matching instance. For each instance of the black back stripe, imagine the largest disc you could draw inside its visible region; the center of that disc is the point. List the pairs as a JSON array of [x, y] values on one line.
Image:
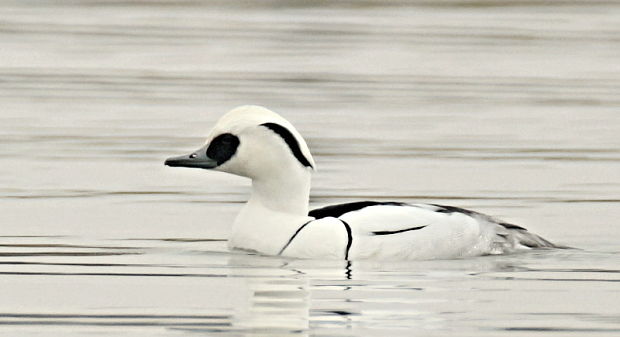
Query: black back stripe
[[398, 231], [290, 140], [292, 237], [338, 210], [349, 239], [452, 209], [511, 226]]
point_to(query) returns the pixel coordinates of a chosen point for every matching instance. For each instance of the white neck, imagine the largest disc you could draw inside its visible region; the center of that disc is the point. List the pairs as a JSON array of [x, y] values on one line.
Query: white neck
[[277, 207], [284, 194]]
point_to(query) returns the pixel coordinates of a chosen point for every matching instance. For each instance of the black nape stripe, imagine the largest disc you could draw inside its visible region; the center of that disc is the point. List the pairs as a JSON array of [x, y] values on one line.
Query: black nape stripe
[[290, 140], [398, 231], [223, 147], [292, 237], [349, 239], [338, 210]]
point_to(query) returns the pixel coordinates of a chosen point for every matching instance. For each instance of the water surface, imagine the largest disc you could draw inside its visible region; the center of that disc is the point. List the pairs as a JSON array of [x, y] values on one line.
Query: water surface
[[509, 108]]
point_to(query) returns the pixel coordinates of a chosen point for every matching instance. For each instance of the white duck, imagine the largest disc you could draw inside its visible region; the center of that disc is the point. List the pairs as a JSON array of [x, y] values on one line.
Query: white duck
[[254, 142]]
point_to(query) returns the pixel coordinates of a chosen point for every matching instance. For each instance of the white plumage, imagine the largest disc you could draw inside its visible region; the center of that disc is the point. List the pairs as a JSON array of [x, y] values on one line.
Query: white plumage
[[254, 142]]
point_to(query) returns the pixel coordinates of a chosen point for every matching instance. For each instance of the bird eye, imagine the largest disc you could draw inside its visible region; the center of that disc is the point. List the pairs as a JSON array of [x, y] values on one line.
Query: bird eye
[[193, 155]]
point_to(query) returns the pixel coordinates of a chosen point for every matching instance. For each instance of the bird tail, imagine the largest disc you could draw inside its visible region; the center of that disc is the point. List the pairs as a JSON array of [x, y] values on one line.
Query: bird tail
[[520, 236], [531, 240]]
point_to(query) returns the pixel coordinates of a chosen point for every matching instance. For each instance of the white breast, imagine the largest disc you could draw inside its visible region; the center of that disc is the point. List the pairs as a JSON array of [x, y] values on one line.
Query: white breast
[[323, 239]]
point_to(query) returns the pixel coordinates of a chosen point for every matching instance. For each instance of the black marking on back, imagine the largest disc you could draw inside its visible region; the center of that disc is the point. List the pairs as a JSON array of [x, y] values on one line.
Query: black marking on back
[[511, 226], [530, 244], [398, 231], [223, 147], [292, 237], [452, 209], [291, 141], [340, 209], [349, 239]]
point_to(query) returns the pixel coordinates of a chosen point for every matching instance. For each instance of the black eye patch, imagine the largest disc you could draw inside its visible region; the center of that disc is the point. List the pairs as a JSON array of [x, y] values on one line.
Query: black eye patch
[[223, 147]]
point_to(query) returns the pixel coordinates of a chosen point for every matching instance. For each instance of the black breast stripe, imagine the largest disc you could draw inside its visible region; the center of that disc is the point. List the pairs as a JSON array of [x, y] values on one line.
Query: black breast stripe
[[349, 239], [398, 231], [292, 237]]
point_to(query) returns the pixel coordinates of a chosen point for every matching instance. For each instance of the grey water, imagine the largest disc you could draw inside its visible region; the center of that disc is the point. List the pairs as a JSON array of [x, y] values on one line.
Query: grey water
[[511, 108]]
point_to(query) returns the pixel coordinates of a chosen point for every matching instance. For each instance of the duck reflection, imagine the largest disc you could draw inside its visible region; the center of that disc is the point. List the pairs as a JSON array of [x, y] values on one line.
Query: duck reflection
[[288, 297]]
